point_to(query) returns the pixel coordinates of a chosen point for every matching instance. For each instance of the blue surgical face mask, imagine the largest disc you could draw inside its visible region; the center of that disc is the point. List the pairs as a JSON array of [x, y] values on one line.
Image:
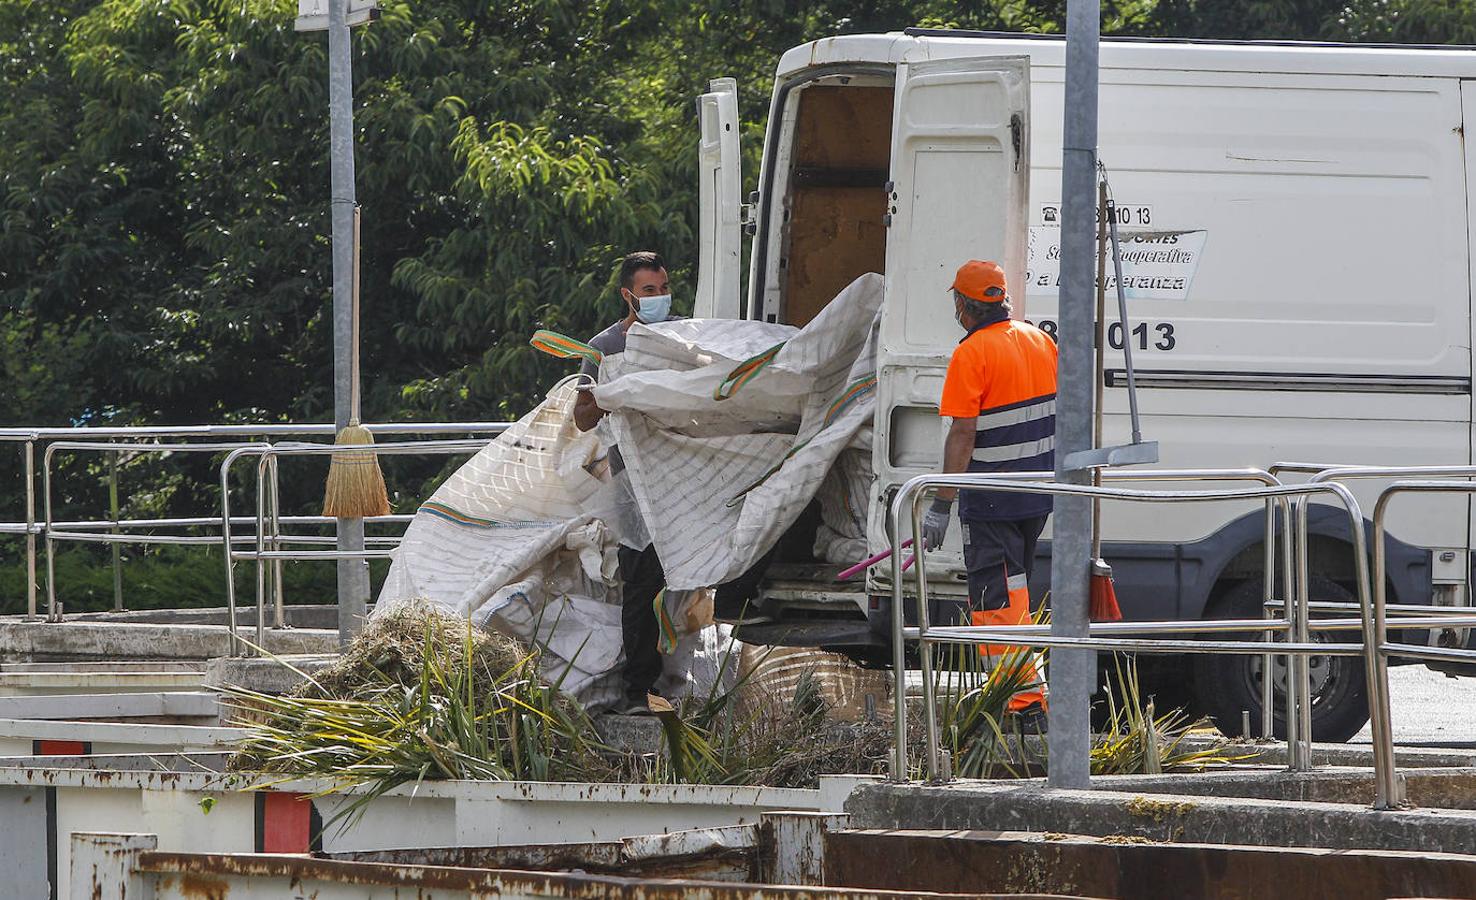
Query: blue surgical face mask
[[653, 309]]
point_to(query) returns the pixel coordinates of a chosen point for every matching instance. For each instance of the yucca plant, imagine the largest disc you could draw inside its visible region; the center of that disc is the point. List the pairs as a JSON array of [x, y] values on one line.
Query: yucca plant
[[973, 700], [456, 703], [1136, 739]]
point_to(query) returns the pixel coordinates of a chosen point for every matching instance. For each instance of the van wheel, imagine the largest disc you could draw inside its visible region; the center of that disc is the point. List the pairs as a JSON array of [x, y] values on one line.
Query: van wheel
[[1225, 685]]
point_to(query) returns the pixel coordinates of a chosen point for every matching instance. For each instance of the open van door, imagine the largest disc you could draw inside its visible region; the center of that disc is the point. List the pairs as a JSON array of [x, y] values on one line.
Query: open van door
[[720, 203], [959, 190]]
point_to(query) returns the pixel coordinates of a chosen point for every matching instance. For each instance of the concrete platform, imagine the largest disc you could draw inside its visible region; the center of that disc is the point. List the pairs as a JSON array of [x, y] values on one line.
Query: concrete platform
[[320, 616], [1032, 807], [1428, 788], [84, 640]]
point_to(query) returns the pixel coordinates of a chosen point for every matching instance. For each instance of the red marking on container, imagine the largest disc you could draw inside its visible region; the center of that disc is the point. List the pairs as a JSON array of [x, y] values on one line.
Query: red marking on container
[[286, 823]]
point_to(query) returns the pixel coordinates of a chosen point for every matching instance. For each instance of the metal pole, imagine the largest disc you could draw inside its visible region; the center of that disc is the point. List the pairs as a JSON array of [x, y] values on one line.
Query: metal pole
[[1099, 373], [899, 646], [924, 648], [280, 621], [1288, 611], [117, 548], [353, 574], [53, 608], [263, 475], [234, 644], [1073, 672], [1299, 686], [28, 454], [1122, 317], [1268, 662]]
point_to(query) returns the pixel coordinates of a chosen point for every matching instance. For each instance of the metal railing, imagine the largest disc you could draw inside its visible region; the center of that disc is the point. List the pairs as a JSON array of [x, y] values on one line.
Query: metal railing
[[113, 530], [1388, 788], [271, 543], [1299, 645]]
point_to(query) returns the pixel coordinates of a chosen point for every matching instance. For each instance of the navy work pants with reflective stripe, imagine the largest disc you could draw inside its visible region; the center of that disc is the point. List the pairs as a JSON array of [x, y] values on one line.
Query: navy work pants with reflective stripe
[[998, 556], [997, 553]]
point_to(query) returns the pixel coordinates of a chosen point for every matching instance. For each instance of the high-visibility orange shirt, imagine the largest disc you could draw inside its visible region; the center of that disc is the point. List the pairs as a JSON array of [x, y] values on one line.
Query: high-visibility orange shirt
[[1004, 374]]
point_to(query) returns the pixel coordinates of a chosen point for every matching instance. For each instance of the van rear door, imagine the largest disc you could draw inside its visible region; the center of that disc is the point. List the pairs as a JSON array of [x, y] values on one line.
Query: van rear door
[[959, 190], [719, 193]]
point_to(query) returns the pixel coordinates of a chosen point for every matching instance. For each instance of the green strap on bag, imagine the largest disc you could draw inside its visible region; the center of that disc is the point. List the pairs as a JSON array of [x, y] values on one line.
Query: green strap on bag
[[745, 371], [564, 347]]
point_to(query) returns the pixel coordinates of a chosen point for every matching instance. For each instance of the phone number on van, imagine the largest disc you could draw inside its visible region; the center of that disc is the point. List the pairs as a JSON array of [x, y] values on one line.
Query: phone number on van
[[1146, 335]]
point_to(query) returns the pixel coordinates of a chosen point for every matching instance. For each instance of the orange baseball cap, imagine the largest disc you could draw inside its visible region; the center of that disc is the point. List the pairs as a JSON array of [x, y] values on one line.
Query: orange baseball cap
[[982, 281]]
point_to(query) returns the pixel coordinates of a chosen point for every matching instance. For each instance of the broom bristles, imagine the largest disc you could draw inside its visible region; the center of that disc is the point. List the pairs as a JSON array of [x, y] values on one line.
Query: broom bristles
[[355, 488], [1104, 606]]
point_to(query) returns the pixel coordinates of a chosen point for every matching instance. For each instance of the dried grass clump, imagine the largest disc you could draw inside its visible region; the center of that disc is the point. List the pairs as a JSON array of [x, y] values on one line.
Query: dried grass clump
[[395, 644], [421, 695]]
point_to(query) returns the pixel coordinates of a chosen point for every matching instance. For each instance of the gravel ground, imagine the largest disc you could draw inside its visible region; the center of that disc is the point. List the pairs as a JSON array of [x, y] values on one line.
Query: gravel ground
[[1429, 709]]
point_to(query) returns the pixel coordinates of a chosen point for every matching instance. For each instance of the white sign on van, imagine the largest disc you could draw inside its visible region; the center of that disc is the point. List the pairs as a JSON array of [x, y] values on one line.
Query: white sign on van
[[1156, 265], [1140, 214]]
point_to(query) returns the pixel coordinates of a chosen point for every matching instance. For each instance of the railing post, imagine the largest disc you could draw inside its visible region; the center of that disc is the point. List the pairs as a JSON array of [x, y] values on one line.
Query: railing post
[[279, 583], [263, 475], [899, 642], [1288, 610], [28, 458], [113, 513], [1268, 662], [1387, 792], [53, 609], [234, 643], [1299, 684], [924, 648]]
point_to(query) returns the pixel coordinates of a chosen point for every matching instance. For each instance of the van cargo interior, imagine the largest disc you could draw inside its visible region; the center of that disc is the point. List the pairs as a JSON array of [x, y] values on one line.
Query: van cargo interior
[[836, 199]]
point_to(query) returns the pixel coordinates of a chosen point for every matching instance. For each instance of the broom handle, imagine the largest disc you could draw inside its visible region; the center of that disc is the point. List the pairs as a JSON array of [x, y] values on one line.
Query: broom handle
[[354, 345], [1101, 360]]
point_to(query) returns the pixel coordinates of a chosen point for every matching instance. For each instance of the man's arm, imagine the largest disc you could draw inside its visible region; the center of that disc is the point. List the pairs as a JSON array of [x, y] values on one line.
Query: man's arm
[[958, 449], [587, 413]]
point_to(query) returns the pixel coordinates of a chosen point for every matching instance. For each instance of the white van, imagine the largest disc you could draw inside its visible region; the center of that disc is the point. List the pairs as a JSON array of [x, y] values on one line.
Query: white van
[[1296, 227]]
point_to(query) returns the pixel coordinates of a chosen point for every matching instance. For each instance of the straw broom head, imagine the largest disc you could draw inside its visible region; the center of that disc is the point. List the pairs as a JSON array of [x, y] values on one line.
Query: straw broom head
[[355, 483]]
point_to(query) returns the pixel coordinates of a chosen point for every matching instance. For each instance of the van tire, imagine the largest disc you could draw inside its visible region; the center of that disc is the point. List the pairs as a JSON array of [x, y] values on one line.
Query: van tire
[[1225, 684]]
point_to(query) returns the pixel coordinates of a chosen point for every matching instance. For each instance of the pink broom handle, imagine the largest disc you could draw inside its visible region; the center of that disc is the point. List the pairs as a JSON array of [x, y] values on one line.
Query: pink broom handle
[[870, 561]]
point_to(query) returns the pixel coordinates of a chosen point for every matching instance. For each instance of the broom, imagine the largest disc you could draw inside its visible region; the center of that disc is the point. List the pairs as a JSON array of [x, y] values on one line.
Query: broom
[[1103, 599], [355, 488]]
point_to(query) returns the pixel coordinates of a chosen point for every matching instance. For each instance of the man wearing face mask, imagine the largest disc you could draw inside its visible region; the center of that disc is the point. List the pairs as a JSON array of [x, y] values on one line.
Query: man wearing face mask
[[646, 295], [1000, 391]]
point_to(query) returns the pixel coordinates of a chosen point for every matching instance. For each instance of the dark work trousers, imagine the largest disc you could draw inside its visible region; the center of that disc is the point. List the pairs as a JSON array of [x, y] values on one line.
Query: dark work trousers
[[641, 580], [998, 556]]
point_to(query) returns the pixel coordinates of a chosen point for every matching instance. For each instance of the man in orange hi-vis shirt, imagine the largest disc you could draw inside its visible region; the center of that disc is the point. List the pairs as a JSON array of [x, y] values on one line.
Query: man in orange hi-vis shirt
[[1001, 394]]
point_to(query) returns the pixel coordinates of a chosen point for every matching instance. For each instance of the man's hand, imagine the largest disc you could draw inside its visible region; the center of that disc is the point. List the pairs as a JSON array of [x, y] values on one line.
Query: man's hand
[[587, 413], [935, 523]]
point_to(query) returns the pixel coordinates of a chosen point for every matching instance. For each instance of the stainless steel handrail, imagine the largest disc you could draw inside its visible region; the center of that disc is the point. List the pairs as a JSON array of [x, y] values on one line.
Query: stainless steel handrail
[[1386, 776], [909, 497], [1388, 792], [29, 437], [269, 540], [52, 535], [1249, 473]]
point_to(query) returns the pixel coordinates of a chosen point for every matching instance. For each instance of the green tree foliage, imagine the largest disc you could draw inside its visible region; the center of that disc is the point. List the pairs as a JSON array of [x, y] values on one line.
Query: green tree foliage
[[164, 189]]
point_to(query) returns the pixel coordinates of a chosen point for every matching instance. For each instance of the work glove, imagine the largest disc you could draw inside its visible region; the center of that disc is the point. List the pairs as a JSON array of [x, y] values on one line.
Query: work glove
[[935, 524]]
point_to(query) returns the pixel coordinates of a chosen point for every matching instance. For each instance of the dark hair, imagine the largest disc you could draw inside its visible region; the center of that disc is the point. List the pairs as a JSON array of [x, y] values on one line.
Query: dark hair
[[985, 313], [635, 262]]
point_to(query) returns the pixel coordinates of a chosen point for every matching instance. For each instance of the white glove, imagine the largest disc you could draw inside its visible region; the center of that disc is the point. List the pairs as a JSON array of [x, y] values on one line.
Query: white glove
[[935, 524]]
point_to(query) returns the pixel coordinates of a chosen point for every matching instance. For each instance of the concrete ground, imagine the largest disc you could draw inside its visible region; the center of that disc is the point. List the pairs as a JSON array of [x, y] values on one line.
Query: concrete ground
[[1429, 709]]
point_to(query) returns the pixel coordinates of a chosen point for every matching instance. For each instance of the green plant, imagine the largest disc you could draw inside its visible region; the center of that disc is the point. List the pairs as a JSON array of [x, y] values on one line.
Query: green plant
[[973, 702], [414, 700], [1136, 739]]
